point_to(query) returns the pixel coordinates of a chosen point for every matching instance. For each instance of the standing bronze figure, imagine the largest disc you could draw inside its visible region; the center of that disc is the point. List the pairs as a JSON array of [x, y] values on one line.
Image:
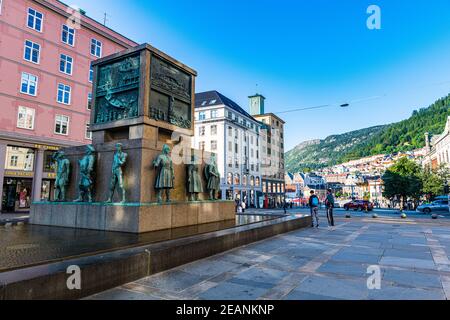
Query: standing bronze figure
[[165, 176], [120, 158], [86, 181], [62, 175], [213, 177], [194, 180]]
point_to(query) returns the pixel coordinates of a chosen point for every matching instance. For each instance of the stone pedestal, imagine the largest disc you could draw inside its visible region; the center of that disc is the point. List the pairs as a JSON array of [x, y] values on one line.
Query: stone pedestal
[[130, 217]]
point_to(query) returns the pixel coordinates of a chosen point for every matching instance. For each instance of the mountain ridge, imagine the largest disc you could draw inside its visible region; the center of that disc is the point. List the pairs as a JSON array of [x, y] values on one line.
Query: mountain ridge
[[405, 135]]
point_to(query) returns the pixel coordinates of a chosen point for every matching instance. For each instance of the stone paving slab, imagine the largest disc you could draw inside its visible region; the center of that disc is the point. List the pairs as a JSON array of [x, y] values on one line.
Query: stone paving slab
[[316, 264]]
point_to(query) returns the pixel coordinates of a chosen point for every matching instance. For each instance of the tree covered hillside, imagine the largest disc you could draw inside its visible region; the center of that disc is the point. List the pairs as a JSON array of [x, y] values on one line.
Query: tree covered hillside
[[405, 135]]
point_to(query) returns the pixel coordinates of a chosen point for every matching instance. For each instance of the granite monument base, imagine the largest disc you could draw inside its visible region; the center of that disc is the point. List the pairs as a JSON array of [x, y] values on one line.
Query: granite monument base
[[130, 217]]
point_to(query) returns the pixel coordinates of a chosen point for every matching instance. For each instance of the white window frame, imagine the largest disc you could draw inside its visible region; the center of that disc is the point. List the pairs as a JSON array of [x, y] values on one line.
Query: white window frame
[[91, 74], [31, 54], [26, 109], [202, 115], [96, 43], [89, 101], [35, 18], [15, 162], [64, 91], [70, 31], [88, 134], [28, 82], [56, 122], [66, 63]]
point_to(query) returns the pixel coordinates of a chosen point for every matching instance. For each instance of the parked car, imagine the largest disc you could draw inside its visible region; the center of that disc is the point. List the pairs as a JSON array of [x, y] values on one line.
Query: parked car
[[435, 206], [359, 205]]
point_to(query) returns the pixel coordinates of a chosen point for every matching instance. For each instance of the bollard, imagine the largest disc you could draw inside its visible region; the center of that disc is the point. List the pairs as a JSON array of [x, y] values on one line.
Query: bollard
[[434, 216], [374, 216]]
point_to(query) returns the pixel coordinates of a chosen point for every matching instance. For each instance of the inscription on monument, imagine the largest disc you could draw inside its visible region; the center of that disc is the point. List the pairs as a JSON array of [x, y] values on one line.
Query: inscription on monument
[[170, 95], [118, 90]]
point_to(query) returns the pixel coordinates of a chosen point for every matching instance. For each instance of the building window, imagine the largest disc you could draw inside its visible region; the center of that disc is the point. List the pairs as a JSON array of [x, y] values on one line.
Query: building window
[[252, 181], [91, 74], [29, 84], [68, 35], [25, 118], [201, 145], [258, 181], [236, 133], [32, 51], [230, 131], [201, 131], [34, 20], [65, 64], [89, 101], [244, 180], [201, 115], [62, 124], [19, 159], [88, 134], [13, 161], [237, 179], [230, 178], [213, 130], [213, 145], [230, 146], [64, 93], [96, 48], [214, 114], [236, 148]]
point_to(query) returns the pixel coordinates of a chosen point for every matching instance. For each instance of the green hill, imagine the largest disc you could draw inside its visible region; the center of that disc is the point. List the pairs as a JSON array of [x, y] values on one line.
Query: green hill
[[405, 135]]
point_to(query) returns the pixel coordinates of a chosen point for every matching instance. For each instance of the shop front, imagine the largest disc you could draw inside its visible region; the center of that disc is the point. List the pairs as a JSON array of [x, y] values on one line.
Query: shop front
[[28, 175]]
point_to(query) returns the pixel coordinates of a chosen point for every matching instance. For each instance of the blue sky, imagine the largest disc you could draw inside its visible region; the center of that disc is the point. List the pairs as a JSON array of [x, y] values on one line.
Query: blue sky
[[301, 54]]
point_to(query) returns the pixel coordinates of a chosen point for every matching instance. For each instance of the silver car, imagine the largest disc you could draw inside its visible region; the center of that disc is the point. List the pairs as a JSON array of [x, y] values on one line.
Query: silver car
[[435, 206]]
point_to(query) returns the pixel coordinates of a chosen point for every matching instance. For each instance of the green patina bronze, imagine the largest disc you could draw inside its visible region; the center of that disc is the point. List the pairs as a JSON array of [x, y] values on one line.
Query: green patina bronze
[[62, 175], [120, 158], [165, 175], [213, 177], [117, 91], [86, 181], [194, 181]]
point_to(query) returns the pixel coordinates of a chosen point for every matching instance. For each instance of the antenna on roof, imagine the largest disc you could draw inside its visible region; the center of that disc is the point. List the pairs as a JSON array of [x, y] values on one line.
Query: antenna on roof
[[105, 18]]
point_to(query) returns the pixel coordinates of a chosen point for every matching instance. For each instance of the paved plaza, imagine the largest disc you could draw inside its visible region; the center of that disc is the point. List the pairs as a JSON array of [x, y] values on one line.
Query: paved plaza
[[316, 264]]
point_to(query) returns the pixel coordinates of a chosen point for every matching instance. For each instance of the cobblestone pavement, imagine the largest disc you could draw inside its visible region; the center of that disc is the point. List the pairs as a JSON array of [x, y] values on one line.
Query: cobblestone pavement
[[317, 264]]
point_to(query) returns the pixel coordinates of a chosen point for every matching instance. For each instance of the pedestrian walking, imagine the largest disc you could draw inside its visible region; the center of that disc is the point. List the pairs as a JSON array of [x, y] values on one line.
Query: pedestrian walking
[[314, 207], [329, 203]]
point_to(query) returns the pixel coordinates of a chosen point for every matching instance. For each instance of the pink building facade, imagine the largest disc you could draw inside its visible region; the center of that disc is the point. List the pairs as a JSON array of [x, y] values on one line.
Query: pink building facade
[[46, 49]]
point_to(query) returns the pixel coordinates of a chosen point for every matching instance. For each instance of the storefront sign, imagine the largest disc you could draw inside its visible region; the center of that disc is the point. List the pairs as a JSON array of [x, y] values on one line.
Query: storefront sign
[[26, 174], [48, 175], [45, 147]]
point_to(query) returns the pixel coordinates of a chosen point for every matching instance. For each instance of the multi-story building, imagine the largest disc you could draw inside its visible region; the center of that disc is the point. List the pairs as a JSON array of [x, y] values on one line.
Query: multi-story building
[[272, 152], [437, 148], [45, 90], [224, 128]]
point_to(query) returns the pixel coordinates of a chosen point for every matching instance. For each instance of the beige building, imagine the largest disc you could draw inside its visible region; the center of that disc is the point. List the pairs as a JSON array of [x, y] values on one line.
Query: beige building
[[272, 152]]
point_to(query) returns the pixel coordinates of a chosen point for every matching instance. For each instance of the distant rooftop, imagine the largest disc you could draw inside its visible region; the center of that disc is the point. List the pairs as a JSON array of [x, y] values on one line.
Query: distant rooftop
[[215, 98]]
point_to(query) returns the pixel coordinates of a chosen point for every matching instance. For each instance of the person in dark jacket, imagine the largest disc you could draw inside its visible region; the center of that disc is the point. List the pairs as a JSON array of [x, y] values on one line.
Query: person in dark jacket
[[329, 202], [314, 207]]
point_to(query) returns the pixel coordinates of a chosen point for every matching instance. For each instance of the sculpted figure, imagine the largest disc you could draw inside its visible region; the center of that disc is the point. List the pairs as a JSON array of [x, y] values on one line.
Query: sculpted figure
[[62, 176], [86, 182], [165, 176], [213, 177], [120, 158], [194, 180]]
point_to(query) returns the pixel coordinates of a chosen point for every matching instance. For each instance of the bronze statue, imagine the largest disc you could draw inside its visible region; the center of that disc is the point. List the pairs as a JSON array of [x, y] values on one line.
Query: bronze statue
[[194, 181], [62, 175], [165, 176], [86, 182], [213, 177], [120, 158]]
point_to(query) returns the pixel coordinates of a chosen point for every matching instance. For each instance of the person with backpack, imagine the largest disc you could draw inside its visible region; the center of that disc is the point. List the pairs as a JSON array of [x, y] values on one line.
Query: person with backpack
[[314, 207], [329, 203]]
